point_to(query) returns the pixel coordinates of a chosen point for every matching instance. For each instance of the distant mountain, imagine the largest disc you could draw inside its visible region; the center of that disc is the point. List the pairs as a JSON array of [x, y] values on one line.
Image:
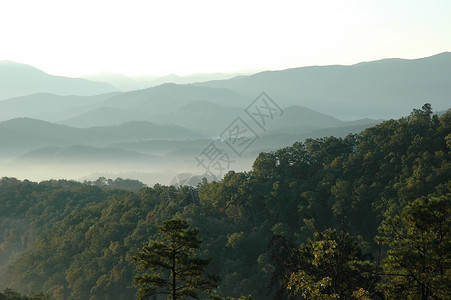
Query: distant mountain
[[116, 108], [25, 134], [80, 154], [301, 120], [154, 104], [20, 80], [48, 106], [287, 136], [144, 130], [381, 89], [201, 116], [122, 82], [162, 146], [166, 97], [212, 119], [303, 117], [180, 105], [101, 116], [199, 77], [126, 83]]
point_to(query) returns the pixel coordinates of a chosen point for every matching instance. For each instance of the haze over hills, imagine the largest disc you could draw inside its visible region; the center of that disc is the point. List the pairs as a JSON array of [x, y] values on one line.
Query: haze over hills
[[196, 108], [166, 104], [380, 89], [102, 116], [81, 155], [125, 83], [198, 77], [25, 134], [121, 82], [48, 106], [162, 104], [230, 151], [33, 147], [19, 79], [201, 116], [165, 97], [167, 126], [300, 116]]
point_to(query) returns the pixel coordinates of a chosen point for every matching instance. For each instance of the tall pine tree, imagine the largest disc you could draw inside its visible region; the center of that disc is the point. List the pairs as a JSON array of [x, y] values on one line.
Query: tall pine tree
[[171, 266]]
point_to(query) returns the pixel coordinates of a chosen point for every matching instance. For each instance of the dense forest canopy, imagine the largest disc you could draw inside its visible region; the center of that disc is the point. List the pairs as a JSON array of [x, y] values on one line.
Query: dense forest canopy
[[77, 240]]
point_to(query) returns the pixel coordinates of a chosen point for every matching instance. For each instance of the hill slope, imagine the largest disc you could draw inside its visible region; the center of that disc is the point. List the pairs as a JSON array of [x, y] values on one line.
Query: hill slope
[[25, 134], [380, 89], [49, 107], [158, 101], [19, 80], [76, 241]]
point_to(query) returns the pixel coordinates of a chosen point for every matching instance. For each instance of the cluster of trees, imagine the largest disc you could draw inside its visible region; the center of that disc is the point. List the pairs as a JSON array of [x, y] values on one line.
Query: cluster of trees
[[366, 216], [118, 183], [9, 294], [333, 266]]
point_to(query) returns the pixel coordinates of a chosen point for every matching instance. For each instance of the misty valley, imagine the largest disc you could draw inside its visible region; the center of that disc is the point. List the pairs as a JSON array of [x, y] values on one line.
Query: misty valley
[[156, 133], [322, 182]]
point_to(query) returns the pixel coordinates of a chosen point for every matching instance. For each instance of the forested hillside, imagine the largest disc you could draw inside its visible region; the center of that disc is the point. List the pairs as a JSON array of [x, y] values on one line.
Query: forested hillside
[[271, 232]]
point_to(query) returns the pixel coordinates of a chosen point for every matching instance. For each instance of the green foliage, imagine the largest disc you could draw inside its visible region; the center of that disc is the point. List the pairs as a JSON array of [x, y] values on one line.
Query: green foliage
[[175, 268], [118, 183], [329, 266], [76, 241], [418, 264], [9, 294], [306, 285]]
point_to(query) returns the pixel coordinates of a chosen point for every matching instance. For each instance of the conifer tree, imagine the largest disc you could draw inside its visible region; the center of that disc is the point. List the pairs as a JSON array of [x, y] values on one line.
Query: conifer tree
[[171, 266], [418, 264]]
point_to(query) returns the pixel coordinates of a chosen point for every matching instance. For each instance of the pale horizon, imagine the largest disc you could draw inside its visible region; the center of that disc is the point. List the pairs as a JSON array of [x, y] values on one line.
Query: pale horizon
[[79, 38], [237, 72]]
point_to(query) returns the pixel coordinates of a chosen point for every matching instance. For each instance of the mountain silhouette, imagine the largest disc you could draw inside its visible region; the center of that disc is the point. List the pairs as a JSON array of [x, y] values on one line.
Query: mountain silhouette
[[386, 89], [19, 80]]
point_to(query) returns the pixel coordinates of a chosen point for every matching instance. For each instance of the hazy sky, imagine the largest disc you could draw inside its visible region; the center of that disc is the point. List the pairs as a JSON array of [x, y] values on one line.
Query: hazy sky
[[134, 37]]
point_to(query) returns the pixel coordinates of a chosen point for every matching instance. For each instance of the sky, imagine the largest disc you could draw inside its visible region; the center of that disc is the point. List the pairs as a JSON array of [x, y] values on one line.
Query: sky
[[145, 37]]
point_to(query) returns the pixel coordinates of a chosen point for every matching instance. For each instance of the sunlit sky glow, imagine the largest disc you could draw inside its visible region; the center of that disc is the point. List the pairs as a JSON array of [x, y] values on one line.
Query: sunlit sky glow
[[134, 37]]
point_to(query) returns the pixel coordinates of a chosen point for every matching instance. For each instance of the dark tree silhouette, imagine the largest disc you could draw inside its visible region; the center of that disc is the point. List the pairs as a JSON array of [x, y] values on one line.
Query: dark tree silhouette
[[175, 269]]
